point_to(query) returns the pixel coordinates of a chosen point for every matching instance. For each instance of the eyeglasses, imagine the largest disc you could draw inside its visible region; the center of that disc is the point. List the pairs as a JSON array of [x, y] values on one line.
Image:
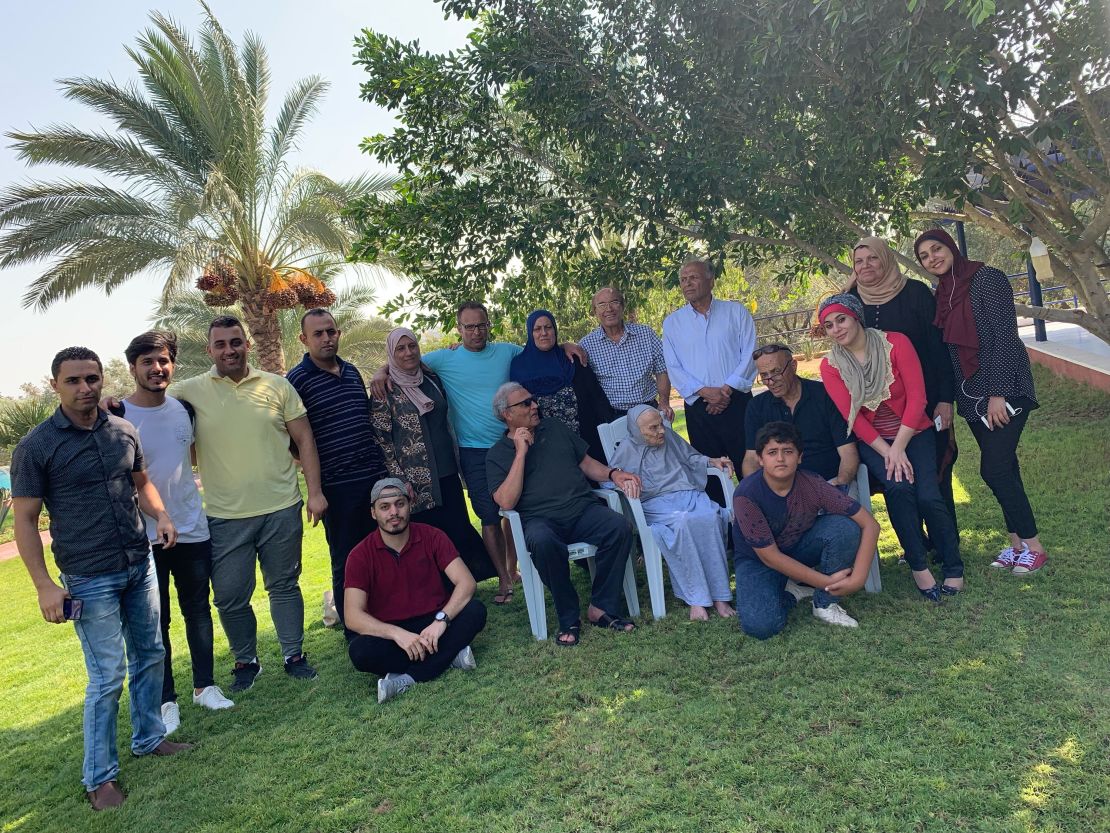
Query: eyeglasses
[[475, 328], [771, 378], [608, 304], [527, 403], [770, 350]]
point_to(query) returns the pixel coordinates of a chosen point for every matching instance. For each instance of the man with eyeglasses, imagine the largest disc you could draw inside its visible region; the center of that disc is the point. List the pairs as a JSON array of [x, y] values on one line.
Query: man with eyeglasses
[[539, 468], [707, 345], [627, 358], [827, 448], [471, 376]]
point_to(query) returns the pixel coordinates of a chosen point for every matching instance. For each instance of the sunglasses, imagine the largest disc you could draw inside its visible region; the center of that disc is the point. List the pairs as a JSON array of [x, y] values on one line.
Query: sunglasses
[[526, 403], [770, 350]]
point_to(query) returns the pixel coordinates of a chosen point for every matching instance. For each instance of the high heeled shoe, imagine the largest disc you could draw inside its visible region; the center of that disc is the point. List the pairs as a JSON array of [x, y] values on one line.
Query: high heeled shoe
[[933, 594]]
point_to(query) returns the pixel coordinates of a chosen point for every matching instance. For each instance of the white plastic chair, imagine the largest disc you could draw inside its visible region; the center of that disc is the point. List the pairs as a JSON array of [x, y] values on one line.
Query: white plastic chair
[[611, 433], [530, 577], [860, 491]]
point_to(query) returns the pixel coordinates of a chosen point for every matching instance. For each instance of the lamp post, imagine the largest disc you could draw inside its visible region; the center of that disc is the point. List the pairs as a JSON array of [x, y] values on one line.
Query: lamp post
[[1039, 263]]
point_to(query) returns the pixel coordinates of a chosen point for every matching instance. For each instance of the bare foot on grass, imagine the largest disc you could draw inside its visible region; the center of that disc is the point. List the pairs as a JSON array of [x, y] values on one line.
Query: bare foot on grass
[[724, 609], [698, 614]]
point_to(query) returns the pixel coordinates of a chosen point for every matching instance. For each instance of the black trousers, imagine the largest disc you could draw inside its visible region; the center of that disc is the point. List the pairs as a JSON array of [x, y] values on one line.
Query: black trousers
[[1000, 470], [719, 435], [191, 568], [375, 655], [547, 542], [618, 412], [346, 522], [451, 517]]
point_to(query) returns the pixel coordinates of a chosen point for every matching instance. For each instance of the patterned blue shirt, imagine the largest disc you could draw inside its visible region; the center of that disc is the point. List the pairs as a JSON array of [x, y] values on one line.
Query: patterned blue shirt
[[339, 413], [626, 368]]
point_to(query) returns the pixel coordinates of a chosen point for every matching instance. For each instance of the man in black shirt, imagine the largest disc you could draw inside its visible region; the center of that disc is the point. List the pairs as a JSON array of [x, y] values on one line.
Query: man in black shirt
[[87, 467], [828, 449], [539, 468]]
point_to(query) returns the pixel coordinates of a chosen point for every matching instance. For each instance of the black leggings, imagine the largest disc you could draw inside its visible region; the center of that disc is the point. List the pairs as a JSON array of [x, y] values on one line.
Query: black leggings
[[1001, 472]]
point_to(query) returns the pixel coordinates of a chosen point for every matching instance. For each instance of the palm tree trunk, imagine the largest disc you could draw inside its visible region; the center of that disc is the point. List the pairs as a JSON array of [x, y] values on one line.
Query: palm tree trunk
[[265, 330]]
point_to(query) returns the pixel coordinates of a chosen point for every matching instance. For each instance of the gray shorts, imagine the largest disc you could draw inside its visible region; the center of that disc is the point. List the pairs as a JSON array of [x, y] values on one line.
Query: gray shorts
[[473, 463]]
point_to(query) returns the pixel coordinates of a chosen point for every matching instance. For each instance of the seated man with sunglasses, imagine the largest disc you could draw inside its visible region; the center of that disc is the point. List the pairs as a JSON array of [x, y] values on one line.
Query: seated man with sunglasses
[[539, 468], [828, 449]]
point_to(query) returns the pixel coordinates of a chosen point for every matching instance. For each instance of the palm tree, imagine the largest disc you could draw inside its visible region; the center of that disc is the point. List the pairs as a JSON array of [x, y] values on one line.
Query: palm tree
[[363, 343], [206, 187]]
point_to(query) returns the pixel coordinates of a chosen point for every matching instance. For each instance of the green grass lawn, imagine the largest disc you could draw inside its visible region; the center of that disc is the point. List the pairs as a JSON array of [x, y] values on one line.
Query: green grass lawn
[[990, 713]]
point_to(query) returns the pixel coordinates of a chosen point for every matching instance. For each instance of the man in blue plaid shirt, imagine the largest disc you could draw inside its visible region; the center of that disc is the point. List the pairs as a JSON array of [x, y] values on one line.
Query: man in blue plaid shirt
[[627, 358]]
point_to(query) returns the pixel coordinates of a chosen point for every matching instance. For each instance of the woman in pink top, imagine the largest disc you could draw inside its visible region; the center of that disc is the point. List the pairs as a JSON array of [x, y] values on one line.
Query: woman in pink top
[[875, 380]]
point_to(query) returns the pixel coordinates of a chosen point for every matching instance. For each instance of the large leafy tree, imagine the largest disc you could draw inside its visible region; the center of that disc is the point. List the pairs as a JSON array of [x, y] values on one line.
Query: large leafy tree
[[193, 185], [759, 130]]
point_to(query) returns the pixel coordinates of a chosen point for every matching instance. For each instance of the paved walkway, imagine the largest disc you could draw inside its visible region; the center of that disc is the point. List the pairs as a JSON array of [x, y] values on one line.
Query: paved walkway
[[9, 550], [1070, 351]]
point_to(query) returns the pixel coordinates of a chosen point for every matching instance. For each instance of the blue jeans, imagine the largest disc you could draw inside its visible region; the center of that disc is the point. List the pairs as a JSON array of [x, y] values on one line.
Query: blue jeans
[[762, 602], [119, 624], [908, 504]]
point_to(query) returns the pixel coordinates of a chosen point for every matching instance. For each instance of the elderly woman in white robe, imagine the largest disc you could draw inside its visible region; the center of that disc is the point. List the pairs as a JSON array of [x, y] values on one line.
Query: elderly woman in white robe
[[689, 527]]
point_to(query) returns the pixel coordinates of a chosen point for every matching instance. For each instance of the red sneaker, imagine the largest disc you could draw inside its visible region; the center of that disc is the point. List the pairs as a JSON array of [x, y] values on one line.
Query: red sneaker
[[1006, 559], [1029, 562]]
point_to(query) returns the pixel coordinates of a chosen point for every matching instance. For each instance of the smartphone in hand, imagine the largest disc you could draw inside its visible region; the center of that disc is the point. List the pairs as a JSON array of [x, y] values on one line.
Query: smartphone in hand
[[71, 609]]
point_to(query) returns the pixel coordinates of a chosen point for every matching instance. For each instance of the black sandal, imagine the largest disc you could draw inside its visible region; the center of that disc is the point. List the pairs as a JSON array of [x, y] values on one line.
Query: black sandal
[[612, 623], [575, 634]]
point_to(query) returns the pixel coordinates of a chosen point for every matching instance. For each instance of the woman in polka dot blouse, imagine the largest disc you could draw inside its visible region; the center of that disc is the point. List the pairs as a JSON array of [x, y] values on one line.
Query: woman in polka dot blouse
[[994, 385]]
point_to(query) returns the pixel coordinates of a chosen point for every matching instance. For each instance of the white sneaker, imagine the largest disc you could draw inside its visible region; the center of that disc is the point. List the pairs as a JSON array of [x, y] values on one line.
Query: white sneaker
[[171, 717], [392, 684], [798, 591], [834, 614], [212, 698], [464, 660]]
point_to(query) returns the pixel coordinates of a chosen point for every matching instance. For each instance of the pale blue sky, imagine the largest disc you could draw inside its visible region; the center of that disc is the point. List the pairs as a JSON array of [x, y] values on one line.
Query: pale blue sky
[[45, 41]]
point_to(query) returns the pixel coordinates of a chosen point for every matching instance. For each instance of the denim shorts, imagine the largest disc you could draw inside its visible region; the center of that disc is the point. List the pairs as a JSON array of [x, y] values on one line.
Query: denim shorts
[[473, 463]]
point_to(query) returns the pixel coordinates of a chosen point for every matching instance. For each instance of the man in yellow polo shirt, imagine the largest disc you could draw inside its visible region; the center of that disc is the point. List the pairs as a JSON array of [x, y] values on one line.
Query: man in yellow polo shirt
[[245, 418]]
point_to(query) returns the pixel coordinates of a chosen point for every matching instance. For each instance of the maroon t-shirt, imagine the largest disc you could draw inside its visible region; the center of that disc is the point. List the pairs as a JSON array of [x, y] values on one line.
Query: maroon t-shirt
[[402, 585]]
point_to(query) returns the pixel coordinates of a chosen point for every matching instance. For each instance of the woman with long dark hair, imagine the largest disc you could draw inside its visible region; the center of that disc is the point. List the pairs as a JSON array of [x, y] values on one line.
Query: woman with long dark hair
[[994, 382]]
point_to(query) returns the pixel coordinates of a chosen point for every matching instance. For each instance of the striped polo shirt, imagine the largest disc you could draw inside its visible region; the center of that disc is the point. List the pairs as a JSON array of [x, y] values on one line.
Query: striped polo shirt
[[339, 412]]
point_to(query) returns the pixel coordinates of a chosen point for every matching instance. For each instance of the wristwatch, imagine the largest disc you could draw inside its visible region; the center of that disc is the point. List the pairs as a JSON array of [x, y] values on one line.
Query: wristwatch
[[444, 618], [615, 468]]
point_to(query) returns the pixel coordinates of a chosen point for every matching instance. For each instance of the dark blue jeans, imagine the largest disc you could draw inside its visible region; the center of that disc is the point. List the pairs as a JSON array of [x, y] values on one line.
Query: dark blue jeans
[[547, 542], [190, 564], [762, 603], [119, 634], [908, 504]]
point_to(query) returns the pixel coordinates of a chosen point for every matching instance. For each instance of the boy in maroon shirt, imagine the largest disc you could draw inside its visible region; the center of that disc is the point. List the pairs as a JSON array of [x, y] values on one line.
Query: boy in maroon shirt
[[410, 628]]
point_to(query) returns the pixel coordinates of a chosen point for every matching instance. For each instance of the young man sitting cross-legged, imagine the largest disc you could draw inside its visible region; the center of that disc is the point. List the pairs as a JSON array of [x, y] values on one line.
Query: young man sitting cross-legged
[[410, 628], [791, 529]]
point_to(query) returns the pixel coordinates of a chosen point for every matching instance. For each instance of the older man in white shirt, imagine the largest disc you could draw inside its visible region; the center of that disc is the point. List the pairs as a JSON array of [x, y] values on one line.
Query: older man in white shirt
[[708, 347]]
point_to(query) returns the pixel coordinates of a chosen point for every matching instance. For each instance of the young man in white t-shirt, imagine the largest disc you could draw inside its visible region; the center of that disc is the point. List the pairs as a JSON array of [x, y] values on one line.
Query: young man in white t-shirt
[[166, 431]]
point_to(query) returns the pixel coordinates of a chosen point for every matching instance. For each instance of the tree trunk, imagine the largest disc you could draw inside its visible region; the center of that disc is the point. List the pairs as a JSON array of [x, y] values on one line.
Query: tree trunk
[[265, 332]]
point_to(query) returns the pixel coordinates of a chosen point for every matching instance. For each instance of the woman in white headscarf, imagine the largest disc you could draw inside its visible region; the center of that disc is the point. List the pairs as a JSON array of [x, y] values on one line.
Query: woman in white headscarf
[[688, 526]]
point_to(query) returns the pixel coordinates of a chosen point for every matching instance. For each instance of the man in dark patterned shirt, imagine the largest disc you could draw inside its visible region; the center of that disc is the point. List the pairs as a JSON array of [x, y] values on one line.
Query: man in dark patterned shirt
[[87, 467], [794, 529]]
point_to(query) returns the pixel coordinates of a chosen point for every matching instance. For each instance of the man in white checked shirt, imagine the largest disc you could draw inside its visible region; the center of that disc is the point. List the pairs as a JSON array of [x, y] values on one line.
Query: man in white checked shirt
[[627, 358]]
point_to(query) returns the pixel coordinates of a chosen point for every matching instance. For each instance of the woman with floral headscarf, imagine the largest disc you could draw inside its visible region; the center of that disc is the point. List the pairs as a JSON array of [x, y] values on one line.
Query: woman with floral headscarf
[[563, 388], [875, 380], [994, 383], [412, 428]]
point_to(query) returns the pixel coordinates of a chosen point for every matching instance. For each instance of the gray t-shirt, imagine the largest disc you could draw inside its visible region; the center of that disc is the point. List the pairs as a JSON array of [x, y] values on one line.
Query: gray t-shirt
[[166, 433], [554, 486]]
